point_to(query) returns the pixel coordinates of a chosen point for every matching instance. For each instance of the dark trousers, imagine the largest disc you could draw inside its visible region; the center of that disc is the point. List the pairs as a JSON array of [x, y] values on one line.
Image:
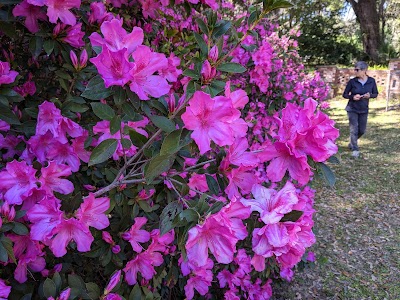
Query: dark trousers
[[358, 125]]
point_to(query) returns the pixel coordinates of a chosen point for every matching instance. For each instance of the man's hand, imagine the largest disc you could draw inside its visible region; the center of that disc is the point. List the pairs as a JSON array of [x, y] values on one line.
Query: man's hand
[[366, 96], [357, 97]]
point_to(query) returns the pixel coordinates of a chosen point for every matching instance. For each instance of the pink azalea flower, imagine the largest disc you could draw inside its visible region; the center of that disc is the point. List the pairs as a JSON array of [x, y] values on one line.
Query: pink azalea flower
[[98, 13], [282, 160], [237, 154], [92, 211], [143, 81], [5, 290], [143, 263], [32, 14], [28, 88], [215, 234], [74, 36], [171, 73], [113, 67], [68, 230], [44, 216], [258, 262], [17, 181], [243, 178], [212, 119], [116, 38], [9, 143], [272, 206], [113, 296], [239, 97], [271, 240], [64, 154], [38, 147], [50, 119], [135, 235], [114, 280], [60, 9], [6, 75], [4, 126], [149, 8], [50, 178], [197, 182], [200, 282], [78, 146], [117, 3]]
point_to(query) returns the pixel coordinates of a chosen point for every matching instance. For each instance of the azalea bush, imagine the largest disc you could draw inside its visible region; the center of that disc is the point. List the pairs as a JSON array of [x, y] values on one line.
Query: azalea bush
[[155, 149]]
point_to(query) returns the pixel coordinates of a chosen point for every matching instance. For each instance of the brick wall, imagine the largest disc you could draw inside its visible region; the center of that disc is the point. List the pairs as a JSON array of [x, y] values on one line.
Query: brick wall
[[388, 81]]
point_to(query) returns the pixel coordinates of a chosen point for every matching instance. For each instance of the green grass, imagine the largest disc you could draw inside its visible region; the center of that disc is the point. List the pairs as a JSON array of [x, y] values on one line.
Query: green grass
[[357, 223]]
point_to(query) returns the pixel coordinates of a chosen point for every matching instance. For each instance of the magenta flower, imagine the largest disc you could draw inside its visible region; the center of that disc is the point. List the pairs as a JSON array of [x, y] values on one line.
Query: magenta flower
[[60, 9], [283, 159], [113, 67], [243, 178], [44, 216], [50, 119], [92, 212], [98, 13], [116, 38], [74, 36], [50, 178], [237, 154], [32, 14], [114, 280], [144, 263], [271, 240], [135, 235], [215, 234], [68, 230], [212, 119], [272, 206], [6, 75], [239, 97], [17, 181], [4, 126], [200, 282], [64, 154], [64, 295], [5, 290], [143, 81]]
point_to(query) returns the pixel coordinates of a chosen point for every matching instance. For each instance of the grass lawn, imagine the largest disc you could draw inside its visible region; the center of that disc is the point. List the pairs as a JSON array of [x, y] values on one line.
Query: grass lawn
[[357, 223]]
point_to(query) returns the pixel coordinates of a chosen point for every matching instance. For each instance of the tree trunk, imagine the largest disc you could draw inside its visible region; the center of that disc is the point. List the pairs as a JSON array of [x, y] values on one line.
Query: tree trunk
[[368, 17]]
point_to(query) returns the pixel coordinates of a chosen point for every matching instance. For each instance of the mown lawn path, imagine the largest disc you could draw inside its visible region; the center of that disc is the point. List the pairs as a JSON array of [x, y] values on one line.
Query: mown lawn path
[[357, 223]]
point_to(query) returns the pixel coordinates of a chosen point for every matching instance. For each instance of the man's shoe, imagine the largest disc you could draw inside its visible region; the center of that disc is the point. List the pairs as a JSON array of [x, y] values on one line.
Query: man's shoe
[[355, 153], [350, 146]]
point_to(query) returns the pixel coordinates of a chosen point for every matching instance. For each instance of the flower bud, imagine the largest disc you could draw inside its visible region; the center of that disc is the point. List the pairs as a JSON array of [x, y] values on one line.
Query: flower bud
[[207, 71], [65, 294], [74, 59], [57, 29], [107, 237], [83, 58], [116, 249], [213, 54], [114, 280]]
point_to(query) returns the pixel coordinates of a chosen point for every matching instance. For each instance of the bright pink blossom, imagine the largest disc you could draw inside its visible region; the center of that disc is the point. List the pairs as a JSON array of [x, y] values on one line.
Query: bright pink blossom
[[135, 235], [271, 240], [4, 126], [271, 205], [60, 9], [92, 211], [143, 81], [6, 75], [98, 13], [116, 38], [68, 230], [32, 14], [239, 97], [50, 178], [212, 119], [114, 67], [17, 181], [5, 290]]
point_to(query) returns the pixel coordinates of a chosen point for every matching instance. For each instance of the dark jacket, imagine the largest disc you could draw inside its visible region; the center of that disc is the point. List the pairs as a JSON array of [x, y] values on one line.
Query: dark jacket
[[354, 87]]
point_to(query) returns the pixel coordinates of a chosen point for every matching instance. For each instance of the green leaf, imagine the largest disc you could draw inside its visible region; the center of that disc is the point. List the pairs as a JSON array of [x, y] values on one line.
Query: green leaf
[[20, 229], [136, 293], [93, 290], [35, 45], [171, 143], [192, 74], [137, 139], [202, 44], [76, 281], [7, 244], [7, 115], [253, 17], [11, 95], [328, 174], [216, 207], [203, 27], [185, 217], [221, 28], [279, 4], [168, 215], [103, 151], [129, 110], [119, 96], [126, 143], [212, 185], [96, 90], [103, 111], [49, 288], [158, 165], [115, 124], [334, 160], [231, 67], [3, 254], [163, 123], [48, 46], [293, 216]]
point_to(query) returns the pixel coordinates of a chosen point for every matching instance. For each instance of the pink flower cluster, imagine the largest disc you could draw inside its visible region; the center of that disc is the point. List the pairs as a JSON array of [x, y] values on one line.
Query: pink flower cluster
[[6, 75], [301, 132], [116, 68]]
